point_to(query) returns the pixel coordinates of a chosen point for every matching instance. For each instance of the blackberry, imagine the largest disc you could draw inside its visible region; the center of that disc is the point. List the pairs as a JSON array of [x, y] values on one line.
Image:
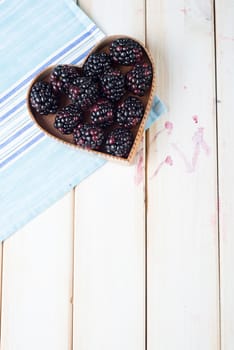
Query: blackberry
[[130, 112], [43, 99], [88, 136], [139, 79], [68, 118], [61, 76], [125, 51], [102, 113], [112, 83], [83, 91], [96, 64], [119, 142]]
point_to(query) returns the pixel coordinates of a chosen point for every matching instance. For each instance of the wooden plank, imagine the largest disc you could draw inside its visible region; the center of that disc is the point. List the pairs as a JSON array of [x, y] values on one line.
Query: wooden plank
[[117, 17], [182, 193], [37, 285], [109, 310], [225, 81]]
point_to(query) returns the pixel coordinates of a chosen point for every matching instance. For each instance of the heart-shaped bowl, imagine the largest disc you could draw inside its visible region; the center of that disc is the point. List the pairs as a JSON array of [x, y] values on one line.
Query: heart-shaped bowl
[[46, 123]]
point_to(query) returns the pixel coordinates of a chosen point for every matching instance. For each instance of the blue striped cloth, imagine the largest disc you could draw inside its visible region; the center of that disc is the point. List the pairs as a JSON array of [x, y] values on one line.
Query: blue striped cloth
[[36, 170]]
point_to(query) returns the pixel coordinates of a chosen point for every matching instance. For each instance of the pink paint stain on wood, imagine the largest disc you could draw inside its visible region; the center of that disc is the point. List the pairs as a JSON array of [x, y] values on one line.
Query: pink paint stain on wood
[[168, 126], [225, 37], [168, 160], [185, 10], [140, 151], [198, 140], [139, 176], [183, 157], [199, 144], [157, 135], [195, 118]]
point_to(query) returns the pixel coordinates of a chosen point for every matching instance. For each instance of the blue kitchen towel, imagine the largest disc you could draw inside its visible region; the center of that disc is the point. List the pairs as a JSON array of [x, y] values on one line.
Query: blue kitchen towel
[[35, 170]]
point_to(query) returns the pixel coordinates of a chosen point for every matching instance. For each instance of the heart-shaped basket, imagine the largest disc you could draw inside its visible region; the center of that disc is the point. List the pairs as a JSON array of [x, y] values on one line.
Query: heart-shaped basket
[[46, 123]]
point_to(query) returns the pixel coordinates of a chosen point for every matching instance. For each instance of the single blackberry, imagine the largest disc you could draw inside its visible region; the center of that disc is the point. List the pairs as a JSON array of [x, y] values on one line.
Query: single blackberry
[[130, 112], [68, 118], [125, 51], [83, 91], [119, 142], [138, 80], [43, 99], [88, 136], [112, 83], [96, 64], [62, 76], [102, 113]]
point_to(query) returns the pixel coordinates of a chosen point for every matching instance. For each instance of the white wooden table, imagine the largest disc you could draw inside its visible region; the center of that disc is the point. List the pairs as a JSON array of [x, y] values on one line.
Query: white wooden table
[[142, 257]]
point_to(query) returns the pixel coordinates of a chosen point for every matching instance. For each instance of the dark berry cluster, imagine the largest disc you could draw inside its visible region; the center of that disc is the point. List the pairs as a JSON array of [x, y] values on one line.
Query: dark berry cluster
[[62, 76], [139, 79], [96, 102], [88, 136], [126, 51], [102, 113], [96, 64], [113, 84], [68, 118], [83, 91], [119, 142], [130, 112], [43, 99]]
